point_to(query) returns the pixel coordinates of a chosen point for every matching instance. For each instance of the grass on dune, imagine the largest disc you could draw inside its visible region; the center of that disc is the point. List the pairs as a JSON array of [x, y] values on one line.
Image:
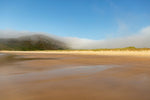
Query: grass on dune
[[103, 49], [106, 49]]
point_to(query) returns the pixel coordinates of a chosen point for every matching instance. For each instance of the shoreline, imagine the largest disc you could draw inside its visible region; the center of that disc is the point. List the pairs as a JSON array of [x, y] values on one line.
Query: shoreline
[[106, 53]]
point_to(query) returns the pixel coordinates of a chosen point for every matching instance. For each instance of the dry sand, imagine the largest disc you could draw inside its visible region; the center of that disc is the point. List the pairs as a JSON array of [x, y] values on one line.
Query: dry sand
[[90, 52], [61, 76]]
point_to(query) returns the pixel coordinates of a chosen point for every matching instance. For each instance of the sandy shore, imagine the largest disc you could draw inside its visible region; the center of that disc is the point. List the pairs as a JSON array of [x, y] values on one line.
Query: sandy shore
[[110, 52], [75, 76]]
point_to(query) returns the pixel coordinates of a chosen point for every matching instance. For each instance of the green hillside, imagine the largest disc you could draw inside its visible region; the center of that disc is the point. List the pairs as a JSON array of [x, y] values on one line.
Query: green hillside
[[33, 42]]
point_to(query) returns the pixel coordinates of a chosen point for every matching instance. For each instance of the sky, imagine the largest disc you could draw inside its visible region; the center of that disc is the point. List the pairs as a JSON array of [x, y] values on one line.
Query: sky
[[88, 19]]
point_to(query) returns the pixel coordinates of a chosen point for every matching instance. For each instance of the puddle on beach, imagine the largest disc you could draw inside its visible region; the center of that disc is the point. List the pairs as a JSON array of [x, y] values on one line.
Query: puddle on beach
[[10, 58], [1, 54], [57, 73], [47, 74]]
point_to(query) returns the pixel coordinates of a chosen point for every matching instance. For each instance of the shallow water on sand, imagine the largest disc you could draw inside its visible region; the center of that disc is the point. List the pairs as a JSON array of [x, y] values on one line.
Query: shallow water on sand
[[49, 77], [58, 73], [1, 54], [19, 82]]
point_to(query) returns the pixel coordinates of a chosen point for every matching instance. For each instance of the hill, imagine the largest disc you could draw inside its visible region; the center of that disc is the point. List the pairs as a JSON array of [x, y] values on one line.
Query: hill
[[33, 42]]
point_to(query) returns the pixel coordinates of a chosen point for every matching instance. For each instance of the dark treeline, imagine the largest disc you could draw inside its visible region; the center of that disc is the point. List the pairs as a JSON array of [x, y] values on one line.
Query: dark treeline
[[33, 42]]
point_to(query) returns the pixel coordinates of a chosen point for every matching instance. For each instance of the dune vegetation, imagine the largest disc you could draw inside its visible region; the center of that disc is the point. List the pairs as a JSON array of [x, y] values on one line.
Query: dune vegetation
[[132, 48]]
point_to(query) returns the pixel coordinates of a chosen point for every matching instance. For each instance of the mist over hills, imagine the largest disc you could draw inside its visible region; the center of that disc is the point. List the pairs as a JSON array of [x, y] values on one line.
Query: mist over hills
[[31, 42], [26, 40]]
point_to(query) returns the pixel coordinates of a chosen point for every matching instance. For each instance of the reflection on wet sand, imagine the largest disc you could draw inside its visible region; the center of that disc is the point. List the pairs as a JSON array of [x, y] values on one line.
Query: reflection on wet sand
[[57, 74], [74, 77]]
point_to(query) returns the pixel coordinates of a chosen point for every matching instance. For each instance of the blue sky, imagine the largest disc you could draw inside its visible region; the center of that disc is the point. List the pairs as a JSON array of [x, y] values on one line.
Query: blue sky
[[91, 19]]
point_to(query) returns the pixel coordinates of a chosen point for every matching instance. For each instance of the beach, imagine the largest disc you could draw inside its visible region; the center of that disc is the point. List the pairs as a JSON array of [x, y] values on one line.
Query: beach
[[45, 75]]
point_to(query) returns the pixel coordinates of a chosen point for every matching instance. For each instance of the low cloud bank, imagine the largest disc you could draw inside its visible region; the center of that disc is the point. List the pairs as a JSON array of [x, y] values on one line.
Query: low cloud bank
[[140, 40]]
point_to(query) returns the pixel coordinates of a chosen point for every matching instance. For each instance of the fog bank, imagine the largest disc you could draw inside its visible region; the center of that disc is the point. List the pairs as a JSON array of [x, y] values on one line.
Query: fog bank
[[140, 40]]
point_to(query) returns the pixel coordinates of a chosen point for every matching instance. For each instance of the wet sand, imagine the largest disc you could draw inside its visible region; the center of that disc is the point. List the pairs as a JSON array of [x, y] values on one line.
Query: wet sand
[[44, 76]]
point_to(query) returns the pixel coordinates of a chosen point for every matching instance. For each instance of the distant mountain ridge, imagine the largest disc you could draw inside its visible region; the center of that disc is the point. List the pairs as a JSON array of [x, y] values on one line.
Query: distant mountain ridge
[[31, 42]]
